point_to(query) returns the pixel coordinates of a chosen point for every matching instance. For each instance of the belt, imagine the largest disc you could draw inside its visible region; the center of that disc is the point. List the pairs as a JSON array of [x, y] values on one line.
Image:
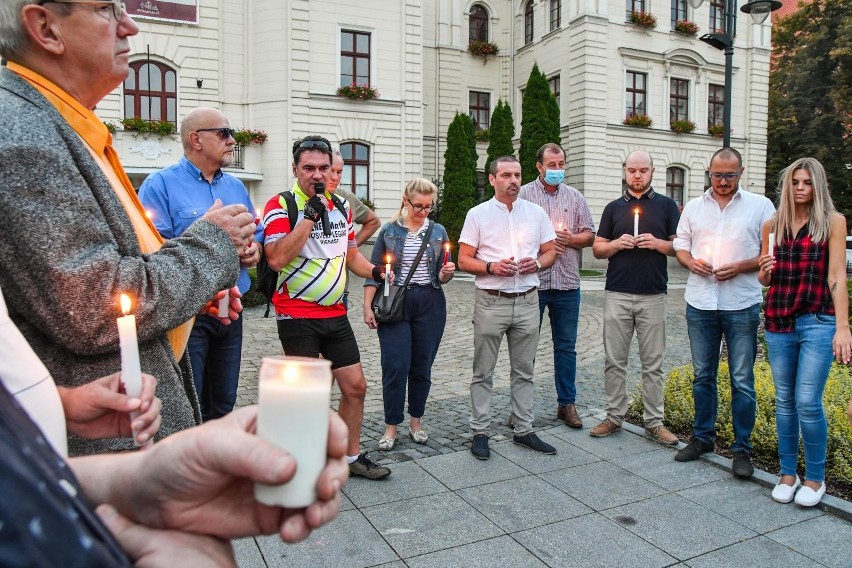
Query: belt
[[501, 294]]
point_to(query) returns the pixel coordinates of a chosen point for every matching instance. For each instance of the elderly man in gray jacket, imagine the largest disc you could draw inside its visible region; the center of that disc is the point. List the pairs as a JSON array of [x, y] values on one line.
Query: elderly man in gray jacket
[[73, 235]]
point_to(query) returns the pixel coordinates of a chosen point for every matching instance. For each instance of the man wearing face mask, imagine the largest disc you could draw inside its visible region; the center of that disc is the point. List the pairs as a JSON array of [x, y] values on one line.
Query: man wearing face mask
[[559, 291]]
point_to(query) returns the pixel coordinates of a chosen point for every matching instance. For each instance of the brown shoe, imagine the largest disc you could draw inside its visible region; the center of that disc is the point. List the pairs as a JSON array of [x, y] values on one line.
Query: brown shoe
[[662, 435], [605, 428], [568, 414]]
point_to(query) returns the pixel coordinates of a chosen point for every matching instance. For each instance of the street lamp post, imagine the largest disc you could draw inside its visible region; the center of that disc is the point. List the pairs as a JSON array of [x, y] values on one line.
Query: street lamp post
[[724, 41]]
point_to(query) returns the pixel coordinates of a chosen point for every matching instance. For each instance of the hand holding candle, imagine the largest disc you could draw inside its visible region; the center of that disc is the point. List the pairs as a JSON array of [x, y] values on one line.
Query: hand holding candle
[[131, 371], [387, 274], [223, 304]]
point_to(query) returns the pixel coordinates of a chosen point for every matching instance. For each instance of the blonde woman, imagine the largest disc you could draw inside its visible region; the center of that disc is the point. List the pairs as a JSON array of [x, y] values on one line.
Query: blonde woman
[[807, 321], [409, 346]]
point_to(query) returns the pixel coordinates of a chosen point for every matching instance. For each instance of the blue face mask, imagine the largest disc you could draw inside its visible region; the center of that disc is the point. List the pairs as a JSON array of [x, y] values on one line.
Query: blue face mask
[[554, 177]]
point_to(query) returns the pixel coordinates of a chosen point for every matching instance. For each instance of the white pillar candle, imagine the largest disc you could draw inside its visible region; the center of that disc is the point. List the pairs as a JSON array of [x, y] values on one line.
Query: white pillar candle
[[293, 408], [223, 304], [387, 274], [131, 372], [635, 222], [771, 251]]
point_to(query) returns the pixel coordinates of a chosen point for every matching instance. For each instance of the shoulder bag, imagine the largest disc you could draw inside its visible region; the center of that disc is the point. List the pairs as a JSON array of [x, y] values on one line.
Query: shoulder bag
[[388, 309]]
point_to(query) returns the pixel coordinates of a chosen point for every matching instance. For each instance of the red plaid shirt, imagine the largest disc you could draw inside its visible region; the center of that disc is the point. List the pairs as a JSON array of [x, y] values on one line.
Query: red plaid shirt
[[799, 282]]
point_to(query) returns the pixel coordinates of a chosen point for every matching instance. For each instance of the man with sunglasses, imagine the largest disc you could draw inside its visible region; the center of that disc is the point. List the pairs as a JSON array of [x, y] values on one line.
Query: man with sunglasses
[[178, 196], [718, 241], [74, 235], [312, 254]]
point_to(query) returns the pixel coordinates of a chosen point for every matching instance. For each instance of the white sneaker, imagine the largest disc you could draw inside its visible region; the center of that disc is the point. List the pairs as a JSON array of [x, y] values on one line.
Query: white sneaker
[[784, 493], [807, 497]]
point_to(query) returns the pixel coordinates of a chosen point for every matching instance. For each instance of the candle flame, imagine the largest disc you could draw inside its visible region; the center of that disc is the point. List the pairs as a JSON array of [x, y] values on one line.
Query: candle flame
[[124, 300], [149, 214], [291, 373], [447, 247], [636, 211], [387, 259]]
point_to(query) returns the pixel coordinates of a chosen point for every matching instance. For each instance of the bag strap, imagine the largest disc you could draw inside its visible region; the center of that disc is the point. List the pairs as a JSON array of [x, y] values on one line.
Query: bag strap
[[419, 253], [292, 214]]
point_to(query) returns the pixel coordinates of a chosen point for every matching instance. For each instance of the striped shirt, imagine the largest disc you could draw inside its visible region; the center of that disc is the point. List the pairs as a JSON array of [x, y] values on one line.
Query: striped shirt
[[413, 241], [799, 282], [567, 208]]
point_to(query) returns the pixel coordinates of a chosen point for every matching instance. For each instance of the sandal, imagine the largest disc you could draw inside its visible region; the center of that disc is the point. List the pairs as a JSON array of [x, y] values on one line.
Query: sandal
[[386, 444], [419, 437]]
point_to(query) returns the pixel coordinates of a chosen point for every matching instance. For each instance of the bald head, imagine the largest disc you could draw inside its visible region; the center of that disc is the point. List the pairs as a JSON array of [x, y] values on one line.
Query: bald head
[[638, 171], [205, 143], [639, 158], [201, 117]]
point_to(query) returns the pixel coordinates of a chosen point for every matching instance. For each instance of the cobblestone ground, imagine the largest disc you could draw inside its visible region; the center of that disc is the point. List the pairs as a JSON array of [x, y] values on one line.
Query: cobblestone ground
[[448, 408]]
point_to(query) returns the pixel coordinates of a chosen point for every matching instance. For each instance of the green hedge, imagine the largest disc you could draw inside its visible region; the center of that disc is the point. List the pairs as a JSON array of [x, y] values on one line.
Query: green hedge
[[252, 297], [680, 413]]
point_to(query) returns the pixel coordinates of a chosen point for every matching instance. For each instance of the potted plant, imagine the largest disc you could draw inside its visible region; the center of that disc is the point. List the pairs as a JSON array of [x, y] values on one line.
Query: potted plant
[[685, 27], [161, 127], [483, 49], [682, 126], [716, 130], [358, 92], [246, 137], [482, 135], [638, 121], [645, 20]]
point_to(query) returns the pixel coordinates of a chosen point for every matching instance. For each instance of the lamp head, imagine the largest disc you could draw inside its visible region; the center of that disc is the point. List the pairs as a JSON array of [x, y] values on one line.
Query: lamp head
[[760, 9], [695, 3]]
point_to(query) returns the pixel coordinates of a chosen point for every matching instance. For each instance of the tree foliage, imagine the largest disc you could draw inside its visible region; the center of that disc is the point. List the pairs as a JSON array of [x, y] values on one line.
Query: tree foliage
[[500, 139], [459, 191], [810, 95], [539, 122]]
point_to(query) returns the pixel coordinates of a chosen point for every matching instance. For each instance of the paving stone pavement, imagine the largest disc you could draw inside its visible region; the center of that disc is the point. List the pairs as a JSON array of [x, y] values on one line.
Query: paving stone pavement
[[616, 501]]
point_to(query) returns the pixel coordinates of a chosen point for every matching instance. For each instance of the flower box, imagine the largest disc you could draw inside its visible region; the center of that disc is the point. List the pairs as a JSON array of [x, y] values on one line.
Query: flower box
[[483, 49], [161, 127], [246, 137], [683, 126], [716, 130], [638, 121], [685, 27], [358, 92], [645, 20]]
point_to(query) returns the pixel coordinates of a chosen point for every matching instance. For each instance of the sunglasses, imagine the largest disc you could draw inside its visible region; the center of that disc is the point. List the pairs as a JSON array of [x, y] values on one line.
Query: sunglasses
[[419, 208], [309, 144], [224, 133], [118, 7], [726, 177]]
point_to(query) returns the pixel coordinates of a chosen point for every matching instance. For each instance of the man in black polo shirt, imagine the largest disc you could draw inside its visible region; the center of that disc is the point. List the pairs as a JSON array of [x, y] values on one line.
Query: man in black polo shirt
[[636, 233]]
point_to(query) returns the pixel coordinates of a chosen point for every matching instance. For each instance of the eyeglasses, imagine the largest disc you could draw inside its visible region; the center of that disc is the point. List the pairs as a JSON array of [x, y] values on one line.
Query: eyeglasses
[[118, 8], [419, 208], [309, 144], [726, 177], [224, 133]]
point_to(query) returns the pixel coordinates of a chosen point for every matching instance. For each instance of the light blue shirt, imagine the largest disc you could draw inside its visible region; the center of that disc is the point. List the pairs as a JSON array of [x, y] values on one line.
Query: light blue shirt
[[179, 195]]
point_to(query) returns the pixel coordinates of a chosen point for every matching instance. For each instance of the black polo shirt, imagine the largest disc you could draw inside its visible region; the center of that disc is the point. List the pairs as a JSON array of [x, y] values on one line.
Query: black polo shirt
[[638, 271]]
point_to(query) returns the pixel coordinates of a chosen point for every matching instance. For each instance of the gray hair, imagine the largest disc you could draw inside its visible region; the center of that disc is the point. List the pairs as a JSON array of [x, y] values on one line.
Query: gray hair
[[13, 37]]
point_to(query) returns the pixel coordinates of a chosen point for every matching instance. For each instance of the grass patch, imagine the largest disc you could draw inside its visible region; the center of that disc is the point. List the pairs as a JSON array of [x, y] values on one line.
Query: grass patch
[[584, 272]]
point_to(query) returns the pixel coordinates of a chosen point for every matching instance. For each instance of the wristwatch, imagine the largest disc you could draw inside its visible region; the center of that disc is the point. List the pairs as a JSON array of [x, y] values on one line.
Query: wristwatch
[[537, 264], [488, 268]]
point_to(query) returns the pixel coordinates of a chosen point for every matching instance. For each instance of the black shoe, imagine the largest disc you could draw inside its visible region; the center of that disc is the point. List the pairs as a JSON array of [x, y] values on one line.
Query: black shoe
[[694, 450], [534, 443], [479, 449], [742, 465], [363, 467]]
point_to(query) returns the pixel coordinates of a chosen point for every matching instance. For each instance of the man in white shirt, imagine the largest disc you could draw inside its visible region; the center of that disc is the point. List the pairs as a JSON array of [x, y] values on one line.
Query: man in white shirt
[[718, 240], [505, 242]]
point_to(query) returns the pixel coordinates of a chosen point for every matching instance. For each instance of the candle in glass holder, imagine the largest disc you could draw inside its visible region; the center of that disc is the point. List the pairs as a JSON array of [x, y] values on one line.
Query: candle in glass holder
[[293, 407], [131, 372], [635, 222], [387, 274]]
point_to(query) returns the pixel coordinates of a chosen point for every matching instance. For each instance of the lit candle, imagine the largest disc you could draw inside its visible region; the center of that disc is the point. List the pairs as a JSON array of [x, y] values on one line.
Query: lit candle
[[446, 253], [258, 214], [709, 254], [635, 222], [131, 372], [293, 407], [149, 214], [560, 225], [771, 251], [387, 274], [223, 304]]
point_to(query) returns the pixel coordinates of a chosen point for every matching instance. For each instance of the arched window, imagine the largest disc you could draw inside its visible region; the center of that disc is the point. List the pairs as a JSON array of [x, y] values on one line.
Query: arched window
[[674, 184], [528, 22], [478, 22], [356, 168], [150, 91], [555, 15]]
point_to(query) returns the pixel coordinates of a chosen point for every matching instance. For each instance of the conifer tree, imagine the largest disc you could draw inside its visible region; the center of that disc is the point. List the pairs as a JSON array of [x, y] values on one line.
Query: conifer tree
[[459, 191], [539, 122], [500, 139]]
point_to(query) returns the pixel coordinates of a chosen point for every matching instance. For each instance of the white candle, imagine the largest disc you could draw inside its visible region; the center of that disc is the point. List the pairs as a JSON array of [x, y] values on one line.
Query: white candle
[[387, 274], [293, 407], [635, 222], [771, 251], [223, 304], [131, 372], [709, 254]]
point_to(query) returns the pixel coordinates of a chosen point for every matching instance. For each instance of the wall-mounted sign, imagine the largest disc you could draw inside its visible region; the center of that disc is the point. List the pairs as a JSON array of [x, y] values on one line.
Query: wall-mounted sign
[[184, 11]]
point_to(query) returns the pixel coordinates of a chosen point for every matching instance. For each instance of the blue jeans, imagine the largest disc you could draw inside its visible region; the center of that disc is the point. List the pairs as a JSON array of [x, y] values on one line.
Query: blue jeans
[[214, 353], [706, 328], [408, 350], [563, 307], [800, 361]]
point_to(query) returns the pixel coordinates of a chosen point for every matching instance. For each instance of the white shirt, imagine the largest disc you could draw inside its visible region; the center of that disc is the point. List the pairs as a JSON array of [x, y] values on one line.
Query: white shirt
[[497, 233], [28, 380], [722, 236]]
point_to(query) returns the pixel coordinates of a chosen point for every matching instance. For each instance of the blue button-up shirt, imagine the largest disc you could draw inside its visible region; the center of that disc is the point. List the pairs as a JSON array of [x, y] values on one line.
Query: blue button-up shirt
[[179, 195]]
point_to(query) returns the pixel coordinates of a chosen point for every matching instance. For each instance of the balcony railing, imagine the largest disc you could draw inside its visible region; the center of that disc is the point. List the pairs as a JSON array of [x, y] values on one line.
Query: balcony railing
[[238, 157]]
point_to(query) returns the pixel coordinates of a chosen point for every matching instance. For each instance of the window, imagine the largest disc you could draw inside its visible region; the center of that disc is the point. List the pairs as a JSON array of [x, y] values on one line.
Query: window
[[480, 109], [354, 58], [555, 14], [528, 22], [715, 105], [635, 6], [356, 168], [679, 100], [717, 16], [678, 11], [636, 93], [150, 91], [554, 87], [674, 184], [478, 23]]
